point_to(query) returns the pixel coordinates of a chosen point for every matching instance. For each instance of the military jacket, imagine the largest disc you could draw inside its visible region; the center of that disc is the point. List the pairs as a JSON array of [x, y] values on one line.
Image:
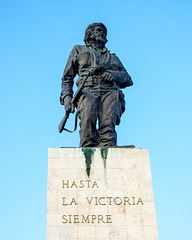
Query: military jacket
[[83, 59]]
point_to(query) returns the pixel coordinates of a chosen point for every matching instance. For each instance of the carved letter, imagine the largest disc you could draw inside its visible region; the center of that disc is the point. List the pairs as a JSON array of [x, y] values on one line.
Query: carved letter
[[108, 219], [140, 201], [82, 184], [100, 201], [65, 204], [85, 219], [64, 219], [89, 201], [66, 184], [95, 184], [110, 199], [126, 199], [100, 218], [93, 218], [70, 218], [76, 218], [74, 184], [73, 201], [116, 202], [88, 181]]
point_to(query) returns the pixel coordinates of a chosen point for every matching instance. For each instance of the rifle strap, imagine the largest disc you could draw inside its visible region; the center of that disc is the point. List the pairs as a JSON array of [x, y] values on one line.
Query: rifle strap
[[75, 127]]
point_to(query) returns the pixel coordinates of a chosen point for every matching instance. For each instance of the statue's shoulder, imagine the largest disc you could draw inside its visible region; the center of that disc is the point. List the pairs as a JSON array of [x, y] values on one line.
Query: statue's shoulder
[[79, 48], [76, 50], [114, 58]]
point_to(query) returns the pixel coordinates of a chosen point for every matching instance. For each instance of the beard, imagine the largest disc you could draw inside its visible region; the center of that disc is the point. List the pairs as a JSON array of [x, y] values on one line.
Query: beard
[[99, 39]]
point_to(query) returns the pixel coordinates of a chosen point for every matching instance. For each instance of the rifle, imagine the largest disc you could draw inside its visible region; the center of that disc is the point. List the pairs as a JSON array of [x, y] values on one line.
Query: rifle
[[74, 102], [63, 122]]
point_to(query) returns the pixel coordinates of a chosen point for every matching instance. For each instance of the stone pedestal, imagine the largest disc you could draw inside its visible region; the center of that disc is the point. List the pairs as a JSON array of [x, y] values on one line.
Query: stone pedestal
[[97, 193]]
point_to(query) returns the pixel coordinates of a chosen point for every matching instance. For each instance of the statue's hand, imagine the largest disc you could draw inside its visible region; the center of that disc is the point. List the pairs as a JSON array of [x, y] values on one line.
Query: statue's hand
[[68, 104], [106, 77]]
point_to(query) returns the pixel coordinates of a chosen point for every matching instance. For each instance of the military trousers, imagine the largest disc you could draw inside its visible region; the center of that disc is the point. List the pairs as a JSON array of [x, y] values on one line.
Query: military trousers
[[99, 111]]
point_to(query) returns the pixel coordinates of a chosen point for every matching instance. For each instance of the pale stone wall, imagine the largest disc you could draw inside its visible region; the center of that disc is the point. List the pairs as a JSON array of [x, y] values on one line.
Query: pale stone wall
[[115, 202]]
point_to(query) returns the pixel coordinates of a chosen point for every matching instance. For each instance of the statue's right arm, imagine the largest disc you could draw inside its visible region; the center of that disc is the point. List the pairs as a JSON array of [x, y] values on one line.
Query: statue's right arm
[[71, 70]]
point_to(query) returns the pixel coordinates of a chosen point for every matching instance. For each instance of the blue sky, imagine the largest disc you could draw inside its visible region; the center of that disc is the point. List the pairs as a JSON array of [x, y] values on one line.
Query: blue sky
[[153, 40]]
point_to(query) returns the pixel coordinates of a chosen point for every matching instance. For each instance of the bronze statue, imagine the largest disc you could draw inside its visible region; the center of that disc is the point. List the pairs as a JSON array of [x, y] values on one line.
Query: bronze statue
[[98, 98]]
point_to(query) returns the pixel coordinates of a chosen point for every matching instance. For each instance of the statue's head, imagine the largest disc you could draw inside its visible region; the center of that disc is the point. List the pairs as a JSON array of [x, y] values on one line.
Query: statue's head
[[95, 32]]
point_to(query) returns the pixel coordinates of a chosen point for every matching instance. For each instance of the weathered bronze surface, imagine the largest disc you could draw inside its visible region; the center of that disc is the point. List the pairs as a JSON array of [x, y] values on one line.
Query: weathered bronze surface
[[98, 98]]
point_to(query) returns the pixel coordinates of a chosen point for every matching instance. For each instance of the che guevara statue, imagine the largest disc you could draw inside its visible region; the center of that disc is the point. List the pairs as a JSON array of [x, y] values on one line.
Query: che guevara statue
[[101, 75]]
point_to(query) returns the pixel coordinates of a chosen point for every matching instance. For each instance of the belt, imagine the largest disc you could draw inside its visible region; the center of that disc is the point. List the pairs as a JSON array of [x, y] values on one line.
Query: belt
[[95, 80]]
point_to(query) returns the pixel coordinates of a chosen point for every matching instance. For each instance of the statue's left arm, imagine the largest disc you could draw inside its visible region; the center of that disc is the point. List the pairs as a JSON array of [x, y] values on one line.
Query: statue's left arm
[[120, 75]]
